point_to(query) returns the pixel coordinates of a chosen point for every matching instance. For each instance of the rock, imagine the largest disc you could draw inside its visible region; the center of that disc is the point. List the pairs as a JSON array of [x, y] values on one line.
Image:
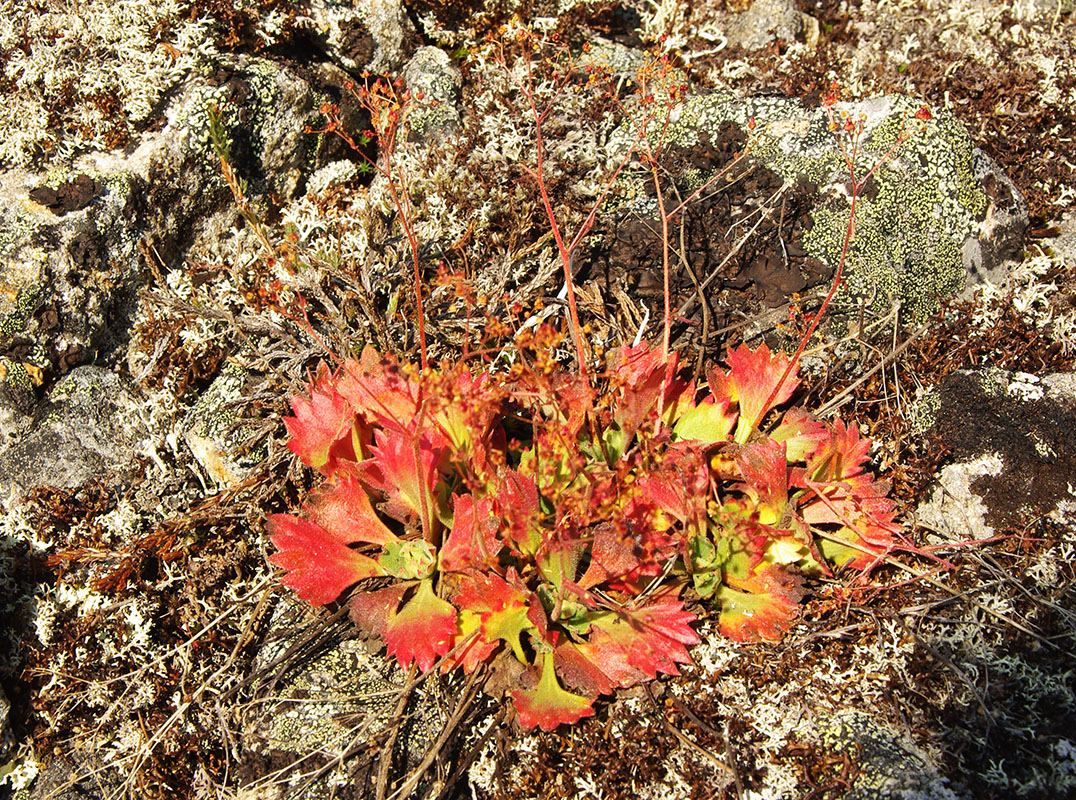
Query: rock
[[1012, 443], [933, 212], [890, 765], [264, 110], [338, 699], [375, 36], [762, 23], [214, 433], [434, 82], [72, 257], [67, 270], [89, 428], [72, 776]]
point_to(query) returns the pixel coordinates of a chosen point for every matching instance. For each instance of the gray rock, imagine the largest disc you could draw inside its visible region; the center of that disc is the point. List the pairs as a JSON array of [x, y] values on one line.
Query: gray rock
[[1064, 244], [68, 259], [762, 23], [1012, 439], [375, 36], [72, 776], [214, 433], [434, 82], [71, 241], [264, 110], [334, 701], [89, 428], [934, 211]]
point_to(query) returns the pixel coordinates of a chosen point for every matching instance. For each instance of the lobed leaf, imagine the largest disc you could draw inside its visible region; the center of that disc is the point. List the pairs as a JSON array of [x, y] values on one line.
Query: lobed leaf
[[753, 376], [762, 606], [502, 609], [423, 631], [317, 565], [548, 705], [344, 510], [654, 636], [322, 430]]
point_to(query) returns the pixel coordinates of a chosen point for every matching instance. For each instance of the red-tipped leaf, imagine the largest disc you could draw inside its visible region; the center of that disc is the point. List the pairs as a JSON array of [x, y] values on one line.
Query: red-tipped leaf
[[423, 630], [548, 705], [317, 565]]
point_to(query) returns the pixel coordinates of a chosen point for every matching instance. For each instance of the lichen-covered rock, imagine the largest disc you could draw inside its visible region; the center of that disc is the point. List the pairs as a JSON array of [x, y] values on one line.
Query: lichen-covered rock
[[89, 428], [754, 24], [1012, 443], [86, 77], [933, 211], [336, 701], [434, 82], [376, 36], [66, 270], [890, 767], [214, 433]]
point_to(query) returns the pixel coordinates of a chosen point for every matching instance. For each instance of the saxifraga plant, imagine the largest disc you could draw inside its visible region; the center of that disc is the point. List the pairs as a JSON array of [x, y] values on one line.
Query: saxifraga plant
[[565, 519]]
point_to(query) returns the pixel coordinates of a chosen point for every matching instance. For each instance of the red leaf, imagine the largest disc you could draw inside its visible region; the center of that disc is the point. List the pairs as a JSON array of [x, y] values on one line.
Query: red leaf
[[598, 665], [378, 390], [865, 515], [652, 636], [502, 609], [753, 377], [371, 611], [841, 455], [517, 505], [610, 556], [765, 471], [548, 705], [322, 430], [423, 631], [801, 432], [318, 566], [344, 510], [646, 379], [476, 650], [472, 542], [404, 466], [682, 486]]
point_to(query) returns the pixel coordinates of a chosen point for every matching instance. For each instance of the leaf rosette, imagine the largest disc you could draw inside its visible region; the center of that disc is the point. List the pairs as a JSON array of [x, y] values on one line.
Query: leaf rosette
[[570, 522]]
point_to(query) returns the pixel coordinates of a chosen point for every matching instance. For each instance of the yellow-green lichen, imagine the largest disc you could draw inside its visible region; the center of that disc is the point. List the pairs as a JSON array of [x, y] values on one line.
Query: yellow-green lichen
[[17, 319], [914, 215]]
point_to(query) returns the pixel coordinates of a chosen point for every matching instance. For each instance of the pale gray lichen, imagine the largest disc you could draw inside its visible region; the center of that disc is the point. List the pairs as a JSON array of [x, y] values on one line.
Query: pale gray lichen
[[93, 72]]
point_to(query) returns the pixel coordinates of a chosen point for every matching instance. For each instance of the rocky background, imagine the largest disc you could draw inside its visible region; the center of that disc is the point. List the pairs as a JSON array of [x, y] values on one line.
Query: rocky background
[[153, 324]]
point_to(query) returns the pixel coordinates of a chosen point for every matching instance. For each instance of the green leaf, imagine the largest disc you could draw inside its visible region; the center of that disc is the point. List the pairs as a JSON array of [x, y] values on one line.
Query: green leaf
[[409, 560], [709, 421]]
